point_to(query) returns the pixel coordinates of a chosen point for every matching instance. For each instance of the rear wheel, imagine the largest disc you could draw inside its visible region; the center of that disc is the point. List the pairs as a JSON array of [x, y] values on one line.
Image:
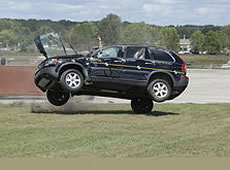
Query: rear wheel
[[142, 105], [71, 80], [159, 90], [57, 98]]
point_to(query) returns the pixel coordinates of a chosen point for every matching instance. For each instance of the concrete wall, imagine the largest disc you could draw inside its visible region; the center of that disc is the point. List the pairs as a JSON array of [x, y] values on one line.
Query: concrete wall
[[18, 81]]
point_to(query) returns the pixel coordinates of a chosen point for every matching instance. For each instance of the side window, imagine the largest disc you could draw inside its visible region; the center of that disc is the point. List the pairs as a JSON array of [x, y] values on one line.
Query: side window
[[135, 52], [110, 52], [160, 56]]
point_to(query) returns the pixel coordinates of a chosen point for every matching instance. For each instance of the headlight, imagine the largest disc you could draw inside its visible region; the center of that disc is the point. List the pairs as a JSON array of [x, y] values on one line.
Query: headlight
[[53, 62]]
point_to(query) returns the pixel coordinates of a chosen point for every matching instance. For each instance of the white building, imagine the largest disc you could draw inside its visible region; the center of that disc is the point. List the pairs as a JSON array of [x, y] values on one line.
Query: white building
[[185, 45]]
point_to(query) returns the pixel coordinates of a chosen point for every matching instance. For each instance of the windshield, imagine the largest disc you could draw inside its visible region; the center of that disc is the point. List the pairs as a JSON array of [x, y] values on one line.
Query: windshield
[[54, 45]]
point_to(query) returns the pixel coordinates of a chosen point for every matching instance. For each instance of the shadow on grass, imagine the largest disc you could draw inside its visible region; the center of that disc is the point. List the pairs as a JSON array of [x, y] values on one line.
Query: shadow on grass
[[157, 113], [109, 112]]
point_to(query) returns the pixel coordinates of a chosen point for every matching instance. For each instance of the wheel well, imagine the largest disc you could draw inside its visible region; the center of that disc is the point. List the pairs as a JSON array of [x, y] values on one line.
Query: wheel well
[[71, 66], [162, 76]]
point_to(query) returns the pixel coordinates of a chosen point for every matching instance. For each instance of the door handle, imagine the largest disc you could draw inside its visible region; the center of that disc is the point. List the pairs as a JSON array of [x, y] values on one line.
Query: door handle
[[106, 59], [117, 61], [147, 63]]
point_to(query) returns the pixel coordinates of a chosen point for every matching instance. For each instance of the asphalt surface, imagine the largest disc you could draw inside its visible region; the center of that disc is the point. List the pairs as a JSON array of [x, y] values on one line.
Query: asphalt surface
[[205, 86]]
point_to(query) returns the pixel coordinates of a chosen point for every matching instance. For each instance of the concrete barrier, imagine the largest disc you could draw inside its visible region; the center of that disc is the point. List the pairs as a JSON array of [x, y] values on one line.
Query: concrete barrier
[[18, 81]]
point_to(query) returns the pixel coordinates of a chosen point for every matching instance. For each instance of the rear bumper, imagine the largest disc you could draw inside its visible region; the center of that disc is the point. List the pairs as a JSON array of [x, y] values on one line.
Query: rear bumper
[[46, 77], [182, 83], [179, 87]]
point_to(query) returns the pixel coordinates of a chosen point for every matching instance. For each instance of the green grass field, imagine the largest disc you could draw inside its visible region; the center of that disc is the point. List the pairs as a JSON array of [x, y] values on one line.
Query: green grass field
[[113, 131], [205, 61]]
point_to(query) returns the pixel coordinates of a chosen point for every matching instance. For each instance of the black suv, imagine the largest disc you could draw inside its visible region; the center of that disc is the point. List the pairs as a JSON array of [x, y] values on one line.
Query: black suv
[[140, 73]]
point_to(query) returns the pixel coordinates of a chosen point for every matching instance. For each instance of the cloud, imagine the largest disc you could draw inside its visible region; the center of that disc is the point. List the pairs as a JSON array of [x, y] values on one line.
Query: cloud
[[156, 9], [159, 12], [202, 11], [166, 2]]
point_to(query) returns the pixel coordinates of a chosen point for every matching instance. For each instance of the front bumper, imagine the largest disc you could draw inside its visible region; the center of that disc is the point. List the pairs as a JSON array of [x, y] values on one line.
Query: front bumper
[[46, 78]]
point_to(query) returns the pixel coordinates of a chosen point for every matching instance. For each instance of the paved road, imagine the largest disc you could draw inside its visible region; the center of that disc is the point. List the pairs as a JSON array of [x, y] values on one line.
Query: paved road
[[206, 86]]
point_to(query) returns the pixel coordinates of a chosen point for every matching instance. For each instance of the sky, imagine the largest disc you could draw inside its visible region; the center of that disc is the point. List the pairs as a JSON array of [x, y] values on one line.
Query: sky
[[156, 12]]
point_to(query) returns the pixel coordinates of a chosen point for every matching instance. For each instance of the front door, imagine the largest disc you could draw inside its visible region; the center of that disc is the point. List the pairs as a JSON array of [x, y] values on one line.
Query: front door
[[107, 63]]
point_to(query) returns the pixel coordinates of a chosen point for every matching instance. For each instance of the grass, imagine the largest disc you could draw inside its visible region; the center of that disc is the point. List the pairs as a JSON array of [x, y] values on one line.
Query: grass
[[205, 61], [113, 131]]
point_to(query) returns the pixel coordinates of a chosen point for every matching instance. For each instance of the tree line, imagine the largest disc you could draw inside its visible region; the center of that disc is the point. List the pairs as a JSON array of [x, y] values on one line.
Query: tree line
[[18, 34]]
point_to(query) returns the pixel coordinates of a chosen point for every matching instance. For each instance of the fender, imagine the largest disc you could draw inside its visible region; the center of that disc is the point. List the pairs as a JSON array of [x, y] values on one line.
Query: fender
[[163, 72], [69, 64]]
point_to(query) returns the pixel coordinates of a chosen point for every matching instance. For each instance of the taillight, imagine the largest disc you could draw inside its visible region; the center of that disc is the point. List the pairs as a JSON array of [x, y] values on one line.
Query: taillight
[[183, 65], [185, 78]]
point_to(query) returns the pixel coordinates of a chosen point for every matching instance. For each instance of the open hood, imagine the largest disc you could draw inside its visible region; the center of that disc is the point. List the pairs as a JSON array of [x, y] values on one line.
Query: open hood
[[39, 45], [50, 45]]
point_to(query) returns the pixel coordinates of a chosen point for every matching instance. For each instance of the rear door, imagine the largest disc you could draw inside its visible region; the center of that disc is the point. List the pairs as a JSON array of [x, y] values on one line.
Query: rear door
[[134, 57]]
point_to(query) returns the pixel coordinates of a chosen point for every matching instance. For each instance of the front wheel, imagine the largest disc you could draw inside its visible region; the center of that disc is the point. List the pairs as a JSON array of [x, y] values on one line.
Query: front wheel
[[159, 90], [142, 105], [71, 80], [57, 98]]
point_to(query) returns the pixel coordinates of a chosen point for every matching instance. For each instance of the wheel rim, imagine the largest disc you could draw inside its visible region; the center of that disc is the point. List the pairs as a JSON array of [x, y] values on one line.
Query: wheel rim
[[160, 90], [73, 80]]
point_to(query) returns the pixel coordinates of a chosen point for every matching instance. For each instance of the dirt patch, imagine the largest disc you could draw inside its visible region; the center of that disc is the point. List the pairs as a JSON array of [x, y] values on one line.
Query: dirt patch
[[80, 105], [18, 81]]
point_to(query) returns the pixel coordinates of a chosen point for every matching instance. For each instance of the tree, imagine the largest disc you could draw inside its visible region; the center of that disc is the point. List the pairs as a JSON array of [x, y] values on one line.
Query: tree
[[197, 41], [226, 31], [215, 42], [109, 29], [7, 24], [170, 38], [188, 30], [8, 38], [83, 36], [24, 38], [44, 30], [140, 33]]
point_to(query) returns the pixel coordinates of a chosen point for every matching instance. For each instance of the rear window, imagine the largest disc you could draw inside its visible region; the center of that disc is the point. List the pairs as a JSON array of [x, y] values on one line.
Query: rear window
[[161, 56], [174, 54]]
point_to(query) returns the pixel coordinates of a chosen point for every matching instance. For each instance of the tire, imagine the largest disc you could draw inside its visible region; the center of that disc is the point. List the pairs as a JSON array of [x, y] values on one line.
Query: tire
[[159, 90], [3, 61], [57, 98], [71, 81], [142, 105]]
